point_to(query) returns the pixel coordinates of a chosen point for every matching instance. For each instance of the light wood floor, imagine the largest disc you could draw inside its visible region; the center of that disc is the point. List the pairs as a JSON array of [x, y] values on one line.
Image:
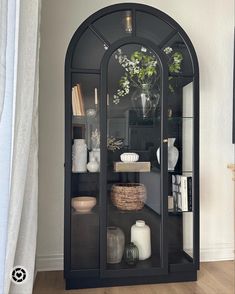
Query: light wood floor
[[213, 278]]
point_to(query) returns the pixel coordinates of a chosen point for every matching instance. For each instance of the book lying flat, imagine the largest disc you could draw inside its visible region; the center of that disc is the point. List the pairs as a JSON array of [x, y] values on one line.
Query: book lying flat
[[139, 166]]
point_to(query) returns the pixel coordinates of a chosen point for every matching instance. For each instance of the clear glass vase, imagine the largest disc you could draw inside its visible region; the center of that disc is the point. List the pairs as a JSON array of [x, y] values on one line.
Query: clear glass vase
[[145, 100]]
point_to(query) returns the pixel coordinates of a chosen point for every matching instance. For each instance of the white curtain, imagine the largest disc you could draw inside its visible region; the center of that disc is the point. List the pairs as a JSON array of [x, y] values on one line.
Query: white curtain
[[23, 179], [3, 44]]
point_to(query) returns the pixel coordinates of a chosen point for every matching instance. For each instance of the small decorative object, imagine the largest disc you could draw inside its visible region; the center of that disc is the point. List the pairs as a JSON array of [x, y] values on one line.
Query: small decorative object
[[131, 254], [169, 112], [93, 166], [128, 196], [115, 244], [129, 157], [95, 139], [142, 72], [113, 144], [79, 156], [83, 204], [173, 154], [140, 236], [91, 112]]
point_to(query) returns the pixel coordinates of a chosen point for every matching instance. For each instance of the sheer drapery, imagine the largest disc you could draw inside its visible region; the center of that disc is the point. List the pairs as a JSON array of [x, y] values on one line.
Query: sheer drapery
[[7, 89], [23, 178], [3, 44]]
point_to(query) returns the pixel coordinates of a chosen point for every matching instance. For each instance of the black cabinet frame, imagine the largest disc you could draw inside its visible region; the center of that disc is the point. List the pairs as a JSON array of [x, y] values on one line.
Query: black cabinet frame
[[167, 272]]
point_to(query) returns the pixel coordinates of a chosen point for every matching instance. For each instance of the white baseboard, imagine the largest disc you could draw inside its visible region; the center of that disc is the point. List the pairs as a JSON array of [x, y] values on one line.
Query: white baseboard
[[54, 262], [217, 252]]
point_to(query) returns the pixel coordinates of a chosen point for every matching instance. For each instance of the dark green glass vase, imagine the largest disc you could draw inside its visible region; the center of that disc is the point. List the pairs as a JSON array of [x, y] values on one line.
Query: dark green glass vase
[[131, 254]]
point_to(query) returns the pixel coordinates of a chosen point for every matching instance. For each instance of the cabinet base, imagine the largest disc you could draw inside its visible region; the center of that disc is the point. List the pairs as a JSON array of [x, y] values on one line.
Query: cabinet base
[[81, 283]]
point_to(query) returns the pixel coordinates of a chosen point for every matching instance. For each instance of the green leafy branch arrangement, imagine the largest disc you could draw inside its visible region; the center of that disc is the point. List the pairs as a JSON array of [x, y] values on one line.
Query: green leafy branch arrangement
[[142, 68]]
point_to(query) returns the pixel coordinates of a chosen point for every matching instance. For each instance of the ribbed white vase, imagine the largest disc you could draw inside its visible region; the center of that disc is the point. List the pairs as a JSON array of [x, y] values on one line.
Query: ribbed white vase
[[141, 237], [79, 156]]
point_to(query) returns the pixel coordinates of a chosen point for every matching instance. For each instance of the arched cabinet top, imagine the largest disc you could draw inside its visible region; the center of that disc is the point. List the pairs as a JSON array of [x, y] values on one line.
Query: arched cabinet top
[[109, 25]]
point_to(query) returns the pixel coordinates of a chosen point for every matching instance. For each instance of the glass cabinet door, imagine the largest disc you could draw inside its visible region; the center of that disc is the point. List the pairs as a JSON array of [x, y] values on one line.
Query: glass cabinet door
[[85, 192], [134, 186]]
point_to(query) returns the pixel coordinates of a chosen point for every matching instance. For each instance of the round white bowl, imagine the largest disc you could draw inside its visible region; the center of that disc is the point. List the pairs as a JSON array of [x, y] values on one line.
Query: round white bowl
[[129, 157], [83, 204]]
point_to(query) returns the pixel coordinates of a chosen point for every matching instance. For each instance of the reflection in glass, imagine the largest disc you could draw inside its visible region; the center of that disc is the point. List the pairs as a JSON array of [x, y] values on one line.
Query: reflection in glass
[[127, 21]]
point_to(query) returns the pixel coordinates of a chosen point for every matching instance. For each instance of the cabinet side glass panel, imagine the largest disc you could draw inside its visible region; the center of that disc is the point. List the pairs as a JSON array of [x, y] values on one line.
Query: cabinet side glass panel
[[85, 172], [133, 174], [180, 174]]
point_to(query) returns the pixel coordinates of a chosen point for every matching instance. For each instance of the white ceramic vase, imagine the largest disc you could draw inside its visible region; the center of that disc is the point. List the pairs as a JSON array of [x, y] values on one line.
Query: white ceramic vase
[[93, 166], [141, 237], [79, 156], [173, 154], [96, 154]]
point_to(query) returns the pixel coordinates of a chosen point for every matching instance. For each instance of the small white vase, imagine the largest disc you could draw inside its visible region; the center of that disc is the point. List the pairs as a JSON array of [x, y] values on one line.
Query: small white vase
[[173, 154], [93, 166], [141, 237], [79, 156], [96, 154]]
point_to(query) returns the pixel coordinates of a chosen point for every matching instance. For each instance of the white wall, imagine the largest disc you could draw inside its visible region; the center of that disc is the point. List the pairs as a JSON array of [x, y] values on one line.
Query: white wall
[[209, 24]]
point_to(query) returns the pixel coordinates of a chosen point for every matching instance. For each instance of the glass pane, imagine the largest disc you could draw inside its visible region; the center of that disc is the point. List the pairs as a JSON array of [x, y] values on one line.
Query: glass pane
[[85, 172], [115, 26], [88, 51], [180, 174], [151, 27], [178, 45], [133, 180], [188, 233]]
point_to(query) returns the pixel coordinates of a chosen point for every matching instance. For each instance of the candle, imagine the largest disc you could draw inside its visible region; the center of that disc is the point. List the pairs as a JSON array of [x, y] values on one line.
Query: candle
[[96, 97]]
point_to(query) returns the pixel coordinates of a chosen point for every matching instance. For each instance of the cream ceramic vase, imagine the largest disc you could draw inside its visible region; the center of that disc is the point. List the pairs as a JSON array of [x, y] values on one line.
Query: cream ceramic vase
[[173, 154], [79, 156], [141, 237]]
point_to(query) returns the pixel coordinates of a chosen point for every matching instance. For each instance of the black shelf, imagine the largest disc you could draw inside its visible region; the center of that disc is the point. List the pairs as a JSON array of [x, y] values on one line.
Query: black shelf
[[179, 257], [178, 212], [152, 262]]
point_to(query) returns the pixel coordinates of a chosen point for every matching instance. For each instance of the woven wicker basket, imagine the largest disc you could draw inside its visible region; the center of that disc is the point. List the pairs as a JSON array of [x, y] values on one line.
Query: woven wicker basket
[[129, 196]]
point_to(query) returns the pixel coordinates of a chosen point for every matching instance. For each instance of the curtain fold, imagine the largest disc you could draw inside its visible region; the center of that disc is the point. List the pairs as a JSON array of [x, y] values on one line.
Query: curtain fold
[[22, 215], [3, 44]]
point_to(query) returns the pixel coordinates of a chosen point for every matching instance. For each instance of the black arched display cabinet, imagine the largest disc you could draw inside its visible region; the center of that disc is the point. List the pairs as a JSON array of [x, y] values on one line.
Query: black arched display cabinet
[[132, 145]]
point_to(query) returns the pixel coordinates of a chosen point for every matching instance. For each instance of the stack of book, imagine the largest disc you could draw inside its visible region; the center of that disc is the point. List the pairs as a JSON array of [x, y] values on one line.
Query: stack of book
[[182, 192], [77, 101]]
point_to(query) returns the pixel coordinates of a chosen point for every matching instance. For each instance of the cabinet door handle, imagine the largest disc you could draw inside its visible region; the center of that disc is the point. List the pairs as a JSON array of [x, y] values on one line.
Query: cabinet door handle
[[165, 140]]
